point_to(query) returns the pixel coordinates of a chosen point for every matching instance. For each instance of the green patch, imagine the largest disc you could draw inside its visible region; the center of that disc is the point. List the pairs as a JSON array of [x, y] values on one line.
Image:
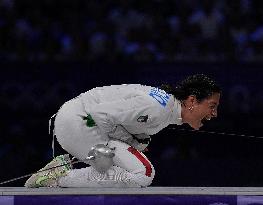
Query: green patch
[[89, 121]]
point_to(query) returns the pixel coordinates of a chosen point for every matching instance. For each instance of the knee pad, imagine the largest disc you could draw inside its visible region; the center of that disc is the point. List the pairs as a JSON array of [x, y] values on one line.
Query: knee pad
[[100, 157]]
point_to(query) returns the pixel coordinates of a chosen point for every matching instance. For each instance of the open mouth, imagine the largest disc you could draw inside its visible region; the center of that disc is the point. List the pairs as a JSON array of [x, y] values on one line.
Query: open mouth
[[205, 119]]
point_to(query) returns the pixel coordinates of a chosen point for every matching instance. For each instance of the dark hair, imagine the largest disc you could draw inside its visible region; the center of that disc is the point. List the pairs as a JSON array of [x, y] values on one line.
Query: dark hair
[[198, 85]]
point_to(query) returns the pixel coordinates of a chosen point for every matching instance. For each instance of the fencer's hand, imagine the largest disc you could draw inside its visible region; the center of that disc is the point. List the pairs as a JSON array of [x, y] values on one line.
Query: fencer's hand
[[138, 141], [120, 133]]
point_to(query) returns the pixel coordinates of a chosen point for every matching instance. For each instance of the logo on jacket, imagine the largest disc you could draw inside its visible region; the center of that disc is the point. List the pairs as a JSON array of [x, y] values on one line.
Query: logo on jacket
[[160, 95], [142, 118]]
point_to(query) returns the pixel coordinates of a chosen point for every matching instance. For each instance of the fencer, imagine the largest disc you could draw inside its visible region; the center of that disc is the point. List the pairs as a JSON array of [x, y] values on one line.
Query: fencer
[[110, 127]]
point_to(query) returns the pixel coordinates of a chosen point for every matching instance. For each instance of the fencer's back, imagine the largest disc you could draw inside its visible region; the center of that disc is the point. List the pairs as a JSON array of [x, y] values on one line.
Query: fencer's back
[[113, 93]]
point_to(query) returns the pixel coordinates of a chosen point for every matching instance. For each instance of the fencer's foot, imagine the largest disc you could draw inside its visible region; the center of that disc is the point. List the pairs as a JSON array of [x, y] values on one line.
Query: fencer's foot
[[49, 175]]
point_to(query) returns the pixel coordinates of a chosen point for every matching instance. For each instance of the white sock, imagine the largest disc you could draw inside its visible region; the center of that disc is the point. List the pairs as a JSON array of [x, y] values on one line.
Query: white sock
[[89, 177]]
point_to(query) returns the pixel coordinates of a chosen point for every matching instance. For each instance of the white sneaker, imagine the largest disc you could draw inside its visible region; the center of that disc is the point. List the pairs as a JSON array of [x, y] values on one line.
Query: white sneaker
[[49, 175]]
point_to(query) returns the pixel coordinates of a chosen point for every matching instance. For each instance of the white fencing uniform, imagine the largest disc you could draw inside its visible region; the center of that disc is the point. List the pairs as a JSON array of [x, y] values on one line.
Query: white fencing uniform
[[138, 109]]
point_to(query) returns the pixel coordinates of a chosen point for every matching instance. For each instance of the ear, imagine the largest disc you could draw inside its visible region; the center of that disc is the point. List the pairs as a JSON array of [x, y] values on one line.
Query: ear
[[190, 101]]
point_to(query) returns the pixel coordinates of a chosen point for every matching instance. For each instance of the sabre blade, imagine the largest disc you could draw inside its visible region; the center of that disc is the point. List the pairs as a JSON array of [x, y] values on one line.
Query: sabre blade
[[217, 133]]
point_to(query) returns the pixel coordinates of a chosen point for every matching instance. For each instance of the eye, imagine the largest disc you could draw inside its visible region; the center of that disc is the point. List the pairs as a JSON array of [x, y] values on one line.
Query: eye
[[212, 107]]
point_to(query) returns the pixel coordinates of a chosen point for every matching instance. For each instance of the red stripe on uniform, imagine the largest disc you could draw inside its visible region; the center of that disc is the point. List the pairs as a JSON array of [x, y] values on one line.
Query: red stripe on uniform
[[145, 162]]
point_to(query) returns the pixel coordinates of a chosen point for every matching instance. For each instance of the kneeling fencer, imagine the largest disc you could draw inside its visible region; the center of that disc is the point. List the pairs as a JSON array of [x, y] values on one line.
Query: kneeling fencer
[[109, 128]]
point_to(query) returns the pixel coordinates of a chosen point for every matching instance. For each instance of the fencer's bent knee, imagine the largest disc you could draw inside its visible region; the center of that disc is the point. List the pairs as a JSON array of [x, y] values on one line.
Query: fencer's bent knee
[[144, 180], [100, 157]]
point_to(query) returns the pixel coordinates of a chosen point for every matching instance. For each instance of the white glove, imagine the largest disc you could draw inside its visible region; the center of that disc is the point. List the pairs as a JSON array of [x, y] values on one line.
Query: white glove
[[138, 141], [120, 133]]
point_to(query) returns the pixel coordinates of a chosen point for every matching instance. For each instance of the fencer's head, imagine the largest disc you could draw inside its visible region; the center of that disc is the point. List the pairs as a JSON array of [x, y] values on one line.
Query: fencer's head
[[200, 97]]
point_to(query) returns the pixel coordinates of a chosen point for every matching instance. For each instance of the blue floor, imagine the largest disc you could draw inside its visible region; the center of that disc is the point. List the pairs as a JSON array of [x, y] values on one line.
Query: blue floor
[[129, 200]]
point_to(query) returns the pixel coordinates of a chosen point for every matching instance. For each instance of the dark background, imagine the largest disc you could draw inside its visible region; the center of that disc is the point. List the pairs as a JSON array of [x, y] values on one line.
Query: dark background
[[51, 51]]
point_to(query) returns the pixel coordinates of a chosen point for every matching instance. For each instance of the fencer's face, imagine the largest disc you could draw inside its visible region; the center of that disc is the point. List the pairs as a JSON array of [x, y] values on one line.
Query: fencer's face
[[201, 111]]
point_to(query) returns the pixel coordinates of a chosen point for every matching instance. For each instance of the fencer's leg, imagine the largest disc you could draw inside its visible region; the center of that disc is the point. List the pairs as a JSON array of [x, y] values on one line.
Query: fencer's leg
[[88, 177], [135, 162], [101, 173], [133, 170]]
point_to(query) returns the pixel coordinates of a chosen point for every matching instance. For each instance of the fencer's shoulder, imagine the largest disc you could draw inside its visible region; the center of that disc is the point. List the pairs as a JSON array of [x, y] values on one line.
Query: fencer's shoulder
[[162, 102], [160, 98]]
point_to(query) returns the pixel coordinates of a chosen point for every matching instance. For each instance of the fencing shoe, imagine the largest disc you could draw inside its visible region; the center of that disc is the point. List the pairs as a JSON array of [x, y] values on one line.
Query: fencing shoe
[[51, 173]]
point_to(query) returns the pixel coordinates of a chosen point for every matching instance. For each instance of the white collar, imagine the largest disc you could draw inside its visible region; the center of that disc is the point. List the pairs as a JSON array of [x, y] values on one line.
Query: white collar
[[176, 117]]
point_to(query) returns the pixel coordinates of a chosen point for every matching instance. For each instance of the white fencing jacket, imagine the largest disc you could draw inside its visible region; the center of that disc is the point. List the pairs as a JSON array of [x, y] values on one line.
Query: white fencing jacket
[[139, 109]]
